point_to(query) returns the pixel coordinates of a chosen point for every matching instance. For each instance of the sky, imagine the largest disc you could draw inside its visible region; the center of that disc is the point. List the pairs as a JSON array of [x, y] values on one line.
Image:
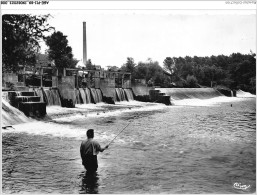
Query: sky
[[114, 35]]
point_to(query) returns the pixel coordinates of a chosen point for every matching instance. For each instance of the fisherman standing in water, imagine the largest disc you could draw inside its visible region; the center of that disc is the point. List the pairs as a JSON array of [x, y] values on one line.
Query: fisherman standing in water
[[89, 150]]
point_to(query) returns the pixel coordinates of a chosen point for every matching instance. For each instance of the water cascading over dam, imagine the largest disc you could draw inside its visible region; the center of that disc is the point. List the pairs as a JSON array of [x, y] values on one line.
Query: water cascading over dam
[[88, 96], [189, 93], [97, 95], [129, 94], [12, 115], [123, 94], [241, 93], [85, 95], [50, 96], [53, 97]]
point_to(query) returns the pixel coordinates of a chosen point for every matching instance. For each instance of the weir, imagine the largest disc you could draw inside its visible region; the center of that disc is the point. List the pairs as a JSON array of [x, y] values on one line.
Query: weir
[[189, 93]]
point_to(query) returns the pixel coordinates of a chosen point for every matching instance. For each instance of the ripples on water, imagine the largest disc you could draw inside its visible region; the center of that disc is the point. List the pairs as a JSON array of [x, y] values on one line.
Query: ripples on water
[[176, 149]]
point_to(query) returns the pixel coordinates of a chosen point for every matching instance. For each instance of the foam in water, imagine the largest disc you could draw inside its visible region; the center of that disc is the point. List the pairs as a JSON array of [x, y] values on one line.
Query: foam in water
[[44, 128], [64, 130], [137, 107], [96, 110], [243, 94], [204, 102]]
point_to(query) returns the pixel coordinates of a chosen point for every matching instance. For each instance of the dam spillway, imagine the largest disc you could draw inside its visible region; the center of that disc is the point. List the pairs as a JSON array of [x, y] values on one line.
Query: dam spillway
[[189, 93], [80, 86]]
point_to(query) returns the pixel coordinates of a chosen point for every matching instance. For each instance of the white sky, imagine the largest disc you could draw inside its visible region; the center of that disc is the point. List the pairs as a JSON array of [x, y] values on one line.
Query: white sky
[[114, 35]]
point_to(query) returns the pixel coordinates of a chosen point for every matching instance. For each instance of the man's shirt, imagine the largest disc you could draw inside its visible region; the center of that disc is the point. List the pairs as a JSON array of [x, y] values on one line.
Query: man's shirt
[[90, 147]]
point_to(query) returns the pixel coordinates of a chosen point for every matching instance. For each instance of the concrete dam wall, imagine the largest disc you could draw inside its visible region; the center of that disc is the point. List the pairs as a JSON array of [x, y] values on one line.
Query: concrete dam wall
[[54, 96], [18, 105]]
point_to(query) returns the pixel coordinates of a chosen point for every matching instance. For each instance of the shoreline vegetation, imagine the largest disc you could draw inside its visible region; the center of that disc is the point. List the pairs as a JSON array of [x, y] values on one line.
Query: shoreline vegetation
[[234, 72]]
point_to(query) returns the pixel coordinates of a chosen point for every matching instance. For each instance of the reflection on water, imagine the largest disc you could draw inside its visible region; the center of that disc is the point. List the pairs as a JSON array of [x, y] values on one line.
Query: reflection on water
[[176, 149], [89, 183]]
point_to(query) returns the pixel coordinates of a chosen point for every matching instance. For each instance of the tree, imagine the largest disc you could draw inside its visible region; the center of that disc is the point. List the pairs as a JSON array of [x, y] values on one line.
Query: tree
[[20, 37], [151, 71], [74, 62], [59, 51], [237, 71], [129, 66], [169, 64], [191, 81]]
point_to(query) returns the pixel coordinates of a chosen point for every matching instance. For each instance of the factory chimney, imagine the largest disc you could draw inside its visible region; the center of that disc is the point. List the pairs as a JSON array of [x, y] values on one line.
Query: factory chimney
[[84, 43]]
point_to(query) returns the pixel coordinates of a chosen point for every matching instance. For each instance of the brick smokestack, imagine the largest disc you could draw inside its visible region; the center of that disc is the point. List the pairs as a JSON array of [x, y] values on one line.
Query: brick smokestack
[[84, 43]]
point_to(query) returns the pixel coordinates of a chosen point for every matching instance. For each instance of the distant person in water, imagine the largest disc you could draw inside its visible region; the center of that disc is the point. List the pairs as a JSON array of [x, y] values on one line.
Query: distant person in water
[[89, 150]]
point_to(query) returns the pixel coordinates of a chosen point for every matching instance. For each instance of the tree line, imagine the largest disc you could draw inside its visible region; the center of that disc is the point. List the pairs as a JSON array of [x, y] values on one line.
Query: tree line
[[236, 71], [21, 35]]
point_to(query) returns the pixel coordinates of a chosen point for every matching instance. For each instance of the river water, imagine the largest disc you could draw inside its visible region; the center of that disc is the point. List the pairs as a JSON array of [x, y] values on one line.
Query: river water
[[205, 146]]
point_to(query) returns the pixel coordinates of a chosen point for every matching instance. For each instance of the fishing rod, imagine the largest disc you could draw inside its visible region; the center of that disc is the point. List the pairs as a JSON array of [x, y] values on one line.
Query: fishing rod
[[118, 134]]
